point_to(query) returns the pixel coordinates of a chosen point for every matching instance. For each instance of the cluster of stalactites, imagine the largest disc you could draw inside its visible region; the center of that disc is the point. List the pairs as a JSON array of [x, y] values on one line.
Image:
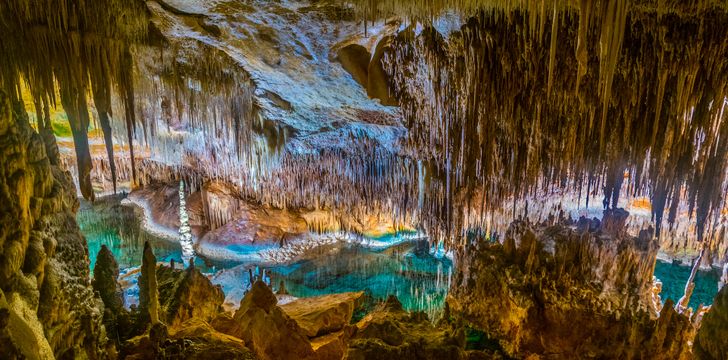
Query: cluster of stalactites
[[79, 50], [429, 9], [504, 107]]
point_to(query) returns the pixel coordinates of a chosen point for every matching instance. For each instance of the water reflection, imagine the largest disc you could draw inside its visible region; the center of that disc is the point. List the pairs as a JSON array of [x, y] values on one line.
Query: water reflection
[[405, 268]]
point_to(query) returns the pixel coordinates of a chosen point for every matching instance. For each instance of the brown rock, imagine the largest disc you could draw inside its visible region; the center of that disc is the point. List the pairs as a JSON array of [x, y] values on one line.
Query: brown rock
[[49, 308], [325, 314], [267, 330], [148, 294], [390, 332], [106, 273], [187, 294], [568, 292], [711, 341]]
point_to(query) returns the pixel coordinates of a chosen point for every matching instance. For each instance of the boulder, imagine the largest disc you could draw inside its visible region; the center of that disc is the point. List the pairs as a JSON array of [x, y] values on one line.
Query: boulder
[[187, 294], [325, 314], [390, 332], [267, 330]]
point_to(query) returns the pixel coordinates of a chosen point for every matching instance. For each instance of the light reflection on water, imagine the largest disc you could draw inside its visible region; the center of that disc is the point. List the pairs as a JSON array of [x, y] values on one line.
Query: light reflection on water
[[406, 269]]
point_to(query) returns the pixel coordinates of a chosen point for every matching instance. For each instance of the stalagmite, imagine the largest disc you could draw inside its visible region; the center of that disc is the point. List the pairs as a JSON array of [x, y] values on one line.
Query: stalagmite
[[682, 304], [148, 294], [185, 236], [106, 273]]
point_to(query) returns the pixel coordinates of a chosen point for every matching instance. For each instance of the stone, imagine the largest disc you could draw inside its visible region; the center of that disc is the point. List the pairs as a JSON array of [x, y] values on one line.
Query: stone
[[106, 273], [321, 315], [187, 294], [711, 341], [50, 306], [569, 292], [148, 293], [267, 330], [390, 332]]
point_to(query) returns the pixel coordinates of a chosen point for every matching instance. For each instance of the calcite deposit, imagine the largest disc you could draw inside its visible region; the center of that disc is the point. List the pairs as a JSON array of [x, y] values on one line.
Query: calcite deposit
[[509, 135], [570, 289], [47, 304]]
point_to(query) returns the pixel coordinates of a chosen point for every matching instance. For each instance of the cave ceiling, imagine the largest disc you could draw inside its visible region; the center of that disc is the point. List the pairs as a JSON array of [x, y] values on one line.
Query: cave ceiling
[[438, 116]]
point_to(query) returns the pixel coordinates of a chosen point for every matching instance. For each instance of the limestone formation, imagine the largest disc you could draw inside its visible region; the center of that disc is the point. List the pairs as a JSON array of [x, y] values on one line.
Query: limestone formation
[[106, 273], [711, 342], [481, 124], [148, 290], [321, 315], [187, 294], [582, 286], [267, 330], [389, 332], [47, 306]]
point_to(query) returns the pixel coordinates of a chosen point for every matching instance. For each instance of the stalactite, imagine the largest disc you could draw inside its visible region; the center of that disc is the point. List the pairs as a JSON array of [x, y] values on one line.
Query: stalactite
[[74, 101], [493, 121], [102, 102]]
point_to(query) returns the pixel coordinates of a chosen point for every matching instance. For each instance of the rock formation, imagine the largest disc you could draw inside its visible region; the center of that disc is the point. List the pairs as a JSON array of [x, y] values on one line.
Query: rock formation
[[711, 342], [389, 332], [148, 290], [289, 118], [117, 320], [47, 304], [106, 273], [269, 332], [571, 290], [321, 315], [187, 294]]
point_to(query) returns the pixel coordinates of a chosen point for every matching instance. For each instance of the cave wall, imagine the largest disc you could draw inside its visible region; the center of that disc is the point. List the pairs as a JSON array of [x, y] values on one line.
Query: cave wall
[[47, 305]]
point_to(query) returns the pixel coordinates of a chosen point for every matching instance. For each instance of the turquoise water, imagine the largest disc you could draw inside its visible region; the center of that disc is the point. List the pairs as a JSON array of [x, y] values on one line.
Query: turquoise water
[[107, 222], [404, 268], [674, 276], [407, 269]]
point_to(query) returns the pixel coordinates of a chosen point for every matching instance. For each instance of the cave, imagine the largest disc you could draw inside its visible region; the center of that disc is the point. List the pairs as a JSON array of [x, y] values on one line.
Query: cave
[[363, 179]]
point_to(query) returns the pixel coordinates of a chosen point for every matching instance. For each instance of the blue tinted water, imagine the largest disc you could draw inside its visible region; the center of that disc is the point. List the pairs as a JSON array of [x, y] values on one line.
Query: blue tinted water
[[393, 266], [674, 276]]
